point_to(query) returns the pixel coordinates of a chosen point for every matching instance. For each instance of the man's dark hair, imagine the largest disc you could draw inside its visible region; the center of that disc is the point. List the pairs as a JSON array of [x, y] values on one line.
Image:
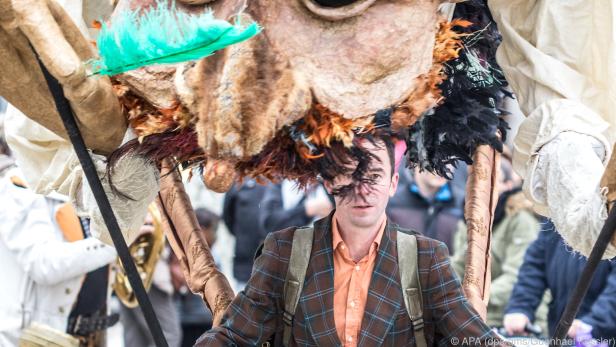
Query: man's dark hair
[[361, 175], [385, 140], [207, 219]]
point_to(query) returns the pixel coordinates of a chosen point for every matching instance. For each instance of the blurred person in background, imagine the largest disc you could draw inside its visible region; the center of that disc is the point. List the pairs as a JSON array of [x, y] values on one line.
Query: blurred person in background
[[284, 205], [428, 204], [136, 331], [240, 213], [195, 317], [549, 264], [515, 228], [54, 274]]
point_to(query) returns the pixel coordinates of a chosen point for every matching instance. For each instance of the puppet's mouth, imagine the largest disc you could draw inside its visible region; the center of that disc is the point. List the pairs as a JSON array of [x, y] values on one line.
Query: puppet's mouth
[[334, 3], [334, 10]]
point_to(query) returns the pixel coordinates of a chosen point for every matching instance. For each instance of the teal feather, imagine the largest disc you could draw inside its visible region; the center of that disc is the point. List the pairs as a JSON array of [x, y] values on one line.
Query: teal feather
[[163, 35]]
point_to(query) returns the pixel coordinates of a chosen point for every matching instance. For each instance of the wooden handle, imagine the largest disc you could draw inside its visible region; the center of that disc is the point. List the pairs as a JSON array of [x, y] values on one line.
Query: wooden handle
[[189, 245], [481, 198]]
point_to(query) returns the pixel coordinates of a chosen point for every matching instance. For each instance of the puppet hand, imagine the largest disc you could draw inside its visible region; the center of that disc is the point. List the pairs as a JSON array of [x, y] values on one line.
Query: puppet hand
[[567, 181], [42, 26], [133, 177]]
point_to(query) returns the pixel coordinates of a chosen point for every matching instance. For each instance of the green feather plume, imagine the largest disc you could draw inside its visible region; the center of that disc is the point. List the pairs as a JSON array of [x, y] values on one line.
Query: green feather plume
[[163, 35]]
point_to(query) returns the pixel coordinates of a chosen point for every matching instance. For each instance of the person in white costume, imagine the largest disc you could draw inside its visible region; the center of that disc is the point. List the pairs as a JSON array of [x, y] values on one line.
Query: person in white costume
[[560, 60], [42, 274], [50, 165]]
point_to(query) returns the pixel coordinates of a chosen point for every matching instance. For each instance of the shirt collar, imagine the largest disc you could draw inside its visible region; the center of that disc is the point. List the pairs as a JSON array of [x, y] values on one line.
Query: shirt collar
[[337, 238]]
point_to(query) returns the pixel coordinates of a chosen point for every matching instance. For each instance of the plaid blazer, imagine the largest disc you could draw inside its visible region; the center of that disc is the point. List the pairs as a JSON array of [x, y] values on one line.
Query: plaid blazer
[[255, 314]]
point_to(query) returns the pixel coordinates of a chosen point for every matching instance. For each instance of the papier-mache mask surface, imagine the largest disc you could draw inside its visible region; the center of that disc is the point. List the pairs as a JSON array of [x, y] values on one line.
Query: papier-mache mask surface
[[302, 83]]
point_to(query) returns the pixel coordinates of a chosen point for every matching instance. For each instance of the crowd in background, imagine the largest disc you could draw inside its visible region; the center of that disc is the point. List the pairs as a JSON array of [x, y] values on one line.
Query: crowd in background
[[533, 272]]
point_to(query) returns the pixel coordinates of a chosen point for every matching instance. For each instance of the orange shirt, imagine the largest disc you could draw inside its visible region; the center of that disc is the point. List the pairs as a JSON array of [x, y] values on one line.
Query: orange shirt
[[351, 283]]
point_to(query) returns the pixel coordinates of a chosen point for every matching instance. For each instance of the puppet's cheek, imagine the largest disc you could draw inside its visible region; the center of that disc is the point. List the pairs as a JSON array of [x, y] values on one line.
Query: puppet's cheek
[[334, 10]]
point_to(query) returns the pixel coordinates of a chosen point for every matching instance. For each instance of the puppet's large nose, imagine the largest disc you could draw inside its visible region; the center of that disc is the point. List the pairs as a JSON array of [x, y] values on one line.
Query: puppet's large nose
[[334, 10], [334, 3]]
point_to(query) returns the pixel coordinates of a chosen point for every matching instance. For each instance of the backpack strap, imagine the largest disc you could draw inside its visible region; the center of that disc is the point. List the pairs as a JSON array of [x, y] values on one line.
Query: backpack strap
[[411, 288], [296, 273]]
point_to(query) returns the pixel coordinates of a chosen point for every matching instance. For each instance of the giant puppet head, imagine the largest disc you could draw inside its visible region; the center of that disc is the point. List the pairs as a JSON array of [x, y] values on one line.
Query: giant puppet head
[[292, 102]]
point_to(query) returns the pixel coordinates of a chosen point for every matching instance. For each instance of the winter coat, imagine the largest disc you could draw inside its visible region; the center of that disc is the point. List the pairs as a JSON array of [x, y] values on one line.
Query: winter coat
[[550, 264]]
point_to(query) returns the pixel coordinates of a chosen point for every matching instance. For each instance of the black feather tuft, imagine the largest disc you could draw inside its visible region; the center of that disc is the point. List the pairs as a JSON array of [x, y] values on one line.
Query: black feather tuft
[[474, 89]]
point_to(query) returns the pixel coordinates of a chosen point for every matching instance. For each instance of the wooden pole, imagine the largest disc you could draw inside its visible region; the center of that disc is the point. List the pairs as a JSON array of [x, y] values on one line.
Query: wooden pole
[[189, 245], [481, 198]]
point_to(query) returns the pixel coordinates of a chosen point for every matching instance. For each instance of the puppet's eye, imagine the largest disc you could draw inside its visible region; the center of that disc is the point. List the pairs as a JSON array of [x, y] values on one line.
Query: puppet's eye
[[334, 3], [334, 10]]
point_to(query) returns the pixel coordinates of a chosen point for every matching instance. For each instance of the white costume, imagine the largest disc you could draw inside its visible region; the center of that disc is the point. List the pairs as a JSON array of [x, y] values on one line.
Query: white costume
[[50, 164], [560, 59], [41, 272]]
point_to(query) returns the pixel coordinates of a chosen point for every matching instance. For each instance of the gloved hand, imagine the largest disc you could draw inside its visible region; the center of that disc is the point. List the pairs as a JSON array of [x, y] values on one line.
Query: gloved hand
[[132, 176], [45, 26]]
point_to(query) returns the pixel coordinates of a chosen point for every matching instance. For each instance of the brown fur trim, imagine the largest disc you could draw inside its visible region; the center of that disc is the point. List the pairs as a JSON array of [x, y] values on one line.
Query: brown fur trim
[[181, 145], [284, 158], [324, 126], [145, 119]]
